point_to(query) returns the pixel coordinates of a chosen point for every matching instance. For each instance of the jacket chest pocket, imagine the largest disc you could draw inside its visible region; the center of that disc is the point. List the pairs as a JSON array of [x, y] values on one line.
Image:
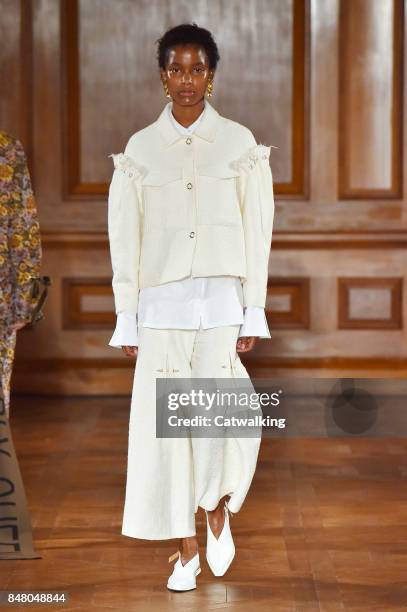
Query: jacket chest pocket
[[163, 206], [218, 195]]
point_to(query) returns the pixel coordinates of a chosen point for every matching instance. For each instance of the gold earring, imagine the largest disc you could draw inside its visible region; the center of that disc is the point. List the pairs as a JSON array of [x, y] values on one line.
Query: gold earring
[[167, 93], [209, 88]]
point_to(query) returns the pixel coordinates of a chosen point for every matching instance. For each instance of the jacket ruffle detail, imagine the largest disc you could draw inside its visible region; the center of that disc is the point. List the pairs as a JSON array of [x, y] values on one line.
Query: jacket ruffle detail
[[252, 156], [128, 166]]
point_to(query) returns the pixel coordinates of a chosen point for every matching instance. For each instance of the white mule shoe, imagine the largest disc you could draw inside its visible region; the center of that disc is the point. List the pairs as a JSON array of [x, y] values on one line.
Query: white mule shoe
[[183, 577], [220, 551]]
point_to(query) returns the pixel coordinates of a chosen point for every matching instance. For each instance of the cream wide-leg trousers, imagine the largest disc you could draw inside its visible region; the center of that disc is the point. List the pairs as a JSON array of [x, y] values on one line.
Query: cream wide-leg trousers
[[169, 478]]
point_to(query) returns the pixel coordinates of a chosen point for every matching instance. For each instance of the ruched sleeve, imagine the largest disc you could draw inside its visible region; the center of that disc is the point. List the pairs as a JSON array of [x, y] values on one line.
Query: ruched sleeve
[[257, 206], [125, 211]]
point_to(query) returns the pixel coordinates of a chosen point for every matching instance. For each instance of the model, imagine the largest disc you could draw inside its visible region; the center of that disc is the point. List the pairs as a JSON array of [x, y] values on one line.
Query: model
[[20, 252], [190, 219]]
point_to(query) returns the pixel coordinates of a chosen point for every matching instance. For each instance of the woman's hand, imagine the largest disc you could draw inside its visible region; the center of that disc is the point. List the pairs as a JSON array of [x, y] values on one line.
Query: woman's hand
[[130, 351], [245, 343]]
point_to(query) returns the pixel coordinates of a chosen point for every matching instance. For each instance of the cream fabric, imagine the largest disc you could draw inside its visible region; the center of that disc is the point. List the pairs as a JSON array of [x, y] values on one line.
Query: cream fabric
[[185, 303], [195, 206], [168, 479]]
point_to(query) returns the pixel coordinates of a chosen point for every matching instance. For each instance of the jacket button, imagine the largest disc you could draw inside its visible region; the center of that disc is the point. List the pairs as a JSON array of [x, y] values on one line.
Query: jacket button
[[189, 185], [188, 140], [191, 234]]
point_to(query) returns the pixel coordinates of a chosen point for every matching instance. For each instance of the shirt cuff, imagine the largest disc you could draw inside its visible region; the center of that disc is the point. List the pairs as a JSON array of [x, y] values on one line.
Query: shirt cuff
[[255, 323], [126, 332]]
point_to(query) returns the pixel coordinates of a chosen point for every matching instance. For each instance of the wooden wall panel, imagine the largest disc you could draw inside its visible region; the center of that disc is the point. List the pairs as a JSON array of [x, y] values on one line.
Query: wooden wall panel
[[287, 303], [370, 126], [370, 303], [108, 94], [324, 81], [16, 71], [87, 303]]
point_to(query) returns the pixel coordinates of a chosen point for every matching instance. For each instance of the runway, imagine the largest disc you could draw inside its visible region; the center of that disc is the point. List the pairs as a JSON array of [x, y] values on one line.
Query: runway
[[324, 527]]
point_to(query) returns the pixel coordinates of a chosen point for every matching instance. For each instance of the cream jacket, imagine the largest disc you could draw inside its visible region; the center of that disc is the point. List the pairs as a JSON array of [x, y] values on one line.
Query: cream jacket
[[200, 205]]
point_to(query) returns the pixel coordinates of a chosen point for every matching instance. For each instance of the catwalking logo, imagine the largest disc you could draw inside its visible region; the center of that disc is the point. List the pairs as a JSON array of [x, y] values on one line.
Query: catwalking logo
[[216, 408], [222, 421], [216, 401]]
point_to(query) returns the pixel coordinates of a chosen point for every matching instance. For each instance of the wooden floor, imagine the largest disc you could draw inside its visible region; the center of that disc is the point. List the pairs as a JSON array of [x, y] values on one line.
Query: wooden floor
[[323, 528]]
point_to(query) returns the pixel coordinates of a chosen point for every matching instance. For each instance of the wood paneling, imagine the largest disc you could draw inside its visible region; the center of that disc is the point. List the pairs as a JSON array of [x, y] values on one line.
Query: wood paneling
[[114, 375], [286, 240], [87, 303], [88, 84], [371, 95], [287, 303], [80, 76], [370, 303], [16, 72]]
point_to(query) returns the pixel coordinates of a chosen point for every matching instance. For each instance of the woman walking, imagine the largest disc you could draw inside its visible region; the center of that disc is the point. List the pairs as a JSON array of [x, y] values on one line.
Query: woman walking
[[190, 222]]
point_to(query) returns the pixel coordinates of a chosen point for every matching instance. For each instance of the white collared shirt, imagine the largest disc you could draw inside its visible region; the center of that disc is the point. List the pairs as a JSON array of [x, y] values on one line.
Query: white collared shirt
[[211, 301]]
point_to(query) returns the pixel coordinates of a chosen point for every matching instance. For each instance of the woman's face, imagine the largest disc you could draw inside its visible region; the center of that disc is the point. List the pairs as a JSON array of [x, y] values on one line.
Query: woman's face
[[187, 74]]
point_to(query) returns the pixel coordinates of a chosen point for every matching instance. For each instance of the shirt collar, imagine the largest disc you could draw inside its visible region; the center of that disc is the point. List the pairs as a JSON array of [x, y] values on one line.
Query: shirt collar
[[208, 122], [186, 131]]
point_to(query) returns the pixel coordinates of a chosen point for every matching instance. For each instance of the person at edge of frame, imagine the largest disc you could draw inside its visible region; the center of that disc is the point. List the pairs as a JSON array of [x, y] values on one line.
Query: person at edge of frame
[[20, 252]]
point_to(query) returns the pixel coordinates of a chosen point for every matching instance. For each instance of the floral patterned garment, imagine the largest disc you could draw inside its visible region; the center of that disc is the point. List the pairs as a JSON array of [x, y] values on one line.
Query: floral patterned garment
[[20, 248]]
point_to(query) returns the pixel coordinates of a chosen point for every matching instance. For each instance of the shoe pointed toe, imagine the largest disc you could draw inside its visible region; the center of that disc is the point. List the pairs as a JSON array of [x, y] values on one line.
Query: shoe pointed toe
[[220, 551]]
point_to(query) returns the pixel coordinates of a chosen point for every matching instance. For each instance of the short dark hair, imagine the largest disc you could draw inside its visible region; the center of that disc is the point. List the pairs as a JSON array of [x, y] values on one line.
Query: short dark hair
[[184, 34]]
